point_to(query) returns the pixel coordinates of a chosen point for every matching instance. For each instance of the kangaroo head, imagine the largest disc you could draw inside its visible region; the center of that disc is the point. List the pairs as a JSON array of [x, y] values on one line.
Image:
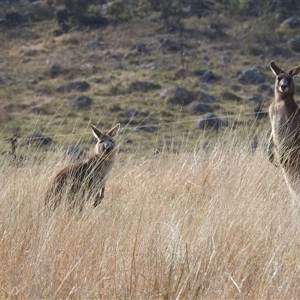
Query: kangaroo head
[[284, 82], [105, 143]]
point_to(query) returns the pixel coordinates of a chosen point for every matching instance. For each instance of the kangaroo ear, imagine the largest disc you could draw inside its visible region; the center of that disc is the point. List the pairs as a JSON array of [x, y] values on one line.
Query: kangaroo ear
[[275, 69], [114, 130], [97, 132], [295, 71]]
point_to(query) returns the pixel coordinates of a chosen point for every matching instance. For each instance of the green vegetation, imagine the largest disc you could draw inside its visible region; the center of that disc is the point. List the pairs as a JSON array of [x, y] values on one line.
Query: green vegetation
[[167, 44]]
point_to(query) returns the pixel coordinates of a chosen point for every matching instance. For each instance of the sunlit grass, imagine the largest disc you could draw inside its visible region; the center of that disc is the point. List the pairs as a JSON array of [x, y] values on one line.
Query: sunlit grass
[[214, 221]]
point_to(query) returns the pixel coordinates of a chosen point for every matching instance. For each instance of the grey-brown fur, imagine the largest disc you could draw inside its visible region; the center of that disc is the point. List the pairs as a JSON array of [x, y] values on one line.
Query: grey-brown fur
[[85, 180], [284, 113]]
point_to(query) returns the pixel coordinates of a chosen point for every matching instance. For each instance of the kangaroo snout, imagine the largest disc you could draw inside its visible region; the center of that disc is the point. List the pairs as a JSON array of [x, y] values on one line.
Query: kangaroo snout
[[108, 146], [283, 87]]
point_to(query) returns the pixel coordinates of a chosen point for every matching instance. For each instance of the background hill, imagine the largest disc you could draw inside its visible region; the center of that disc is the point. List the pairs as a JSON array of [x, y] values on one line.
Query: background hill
[[156, 67]]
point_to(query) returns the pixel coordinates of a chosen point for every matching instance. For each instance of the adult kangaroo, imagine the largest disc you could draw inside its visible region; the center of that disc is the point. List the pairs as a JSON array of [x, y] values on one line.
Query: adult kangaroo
[[86, 180], [284, 113]]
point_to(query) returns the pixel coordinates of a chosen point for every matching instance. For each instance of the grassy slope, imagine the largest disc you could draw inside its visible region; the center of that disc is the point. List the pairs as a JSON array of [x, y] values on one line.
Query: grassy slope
[[28, 52], [214, 223]]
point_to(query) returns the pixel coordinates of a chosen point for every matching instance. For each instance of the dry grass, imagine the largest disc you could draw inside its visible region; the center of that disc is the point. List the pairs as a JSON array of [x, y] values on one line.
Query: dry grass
[[213, 223]]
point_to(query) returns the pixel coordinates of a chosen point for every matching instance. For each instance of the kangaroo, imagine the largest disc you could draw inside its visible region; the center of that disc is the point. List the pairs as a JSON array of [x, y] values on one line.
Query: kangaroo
[[86, 178], [284, 114]]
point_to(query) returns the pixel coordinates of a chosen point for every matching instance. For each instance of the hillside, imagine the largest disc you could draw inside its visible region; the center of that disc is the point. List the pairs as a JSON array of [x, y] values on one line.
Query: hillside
[[193, 209], [156, 75]]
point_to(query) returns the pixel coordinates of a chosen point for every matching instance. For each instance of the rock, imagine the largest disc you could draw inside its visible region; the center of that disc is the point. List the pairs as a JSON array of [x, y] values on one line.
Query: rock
[[36, 110], [14, 18], [209, 120], [62, 16], [93, 21], [143, 86], [209, 76], [200, 108], [294, 44], [250, 76], [28, 17], [2, 21], [38, 138], [73, 153], [130, 55], [265, 88], [280, 51], [279, 17], [207, 98], [64, 27], [83, 102], [57, 32], [55, 70], [178, 96], [80, 86], [291, 23], [169, 45], [225, 58], [141, 48], [230, 96], [199, 8]]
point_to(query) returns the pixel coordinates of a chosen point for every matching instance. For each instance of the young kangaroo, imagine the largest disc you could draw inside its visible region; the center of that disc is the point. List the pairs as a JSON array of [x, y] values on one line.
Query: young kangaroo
[[284, 113], [87, 178]]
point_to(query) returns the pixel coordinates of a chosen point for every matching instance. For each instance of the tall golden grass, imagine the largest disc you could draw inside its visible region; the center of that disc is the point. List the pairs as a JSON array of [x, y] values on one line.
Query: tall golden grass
[[211, 222]]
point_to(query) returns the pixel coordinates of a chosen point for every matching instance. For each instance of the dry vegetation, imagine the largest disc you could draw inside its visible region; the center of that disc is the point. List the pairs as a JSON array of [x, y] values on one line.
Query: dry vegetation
[[212, 222], [188, 214]]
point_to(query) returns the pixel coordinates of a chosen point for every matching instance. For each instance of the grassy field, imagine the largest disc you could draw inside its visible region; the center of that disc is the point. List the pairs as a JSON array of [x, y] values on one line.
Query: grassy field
[[188, 213], [212, 221]]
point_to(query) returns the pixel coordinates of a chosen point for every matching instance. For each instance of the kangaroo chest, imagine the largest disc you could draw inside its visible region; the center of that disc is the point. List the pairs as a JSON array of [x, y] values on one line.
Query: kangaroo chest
[[285, 122]]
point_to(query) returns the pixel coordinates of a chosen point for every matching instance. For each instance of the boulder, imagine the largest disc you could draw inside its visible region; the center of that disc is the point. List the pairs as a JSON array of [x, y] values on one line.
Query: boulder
[[200, 108], [280, 51], [209, 120], [251, 76], [199, 8], [141, 48], [265, 88], [143, 86], [230, 96], [169, 45], [73, 153], [294, 44], [79, 86], [62, 16], [206, 97], [179, 96], [291, 23], [38, 138], [55, 70], [83, 102], [209, 76]]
